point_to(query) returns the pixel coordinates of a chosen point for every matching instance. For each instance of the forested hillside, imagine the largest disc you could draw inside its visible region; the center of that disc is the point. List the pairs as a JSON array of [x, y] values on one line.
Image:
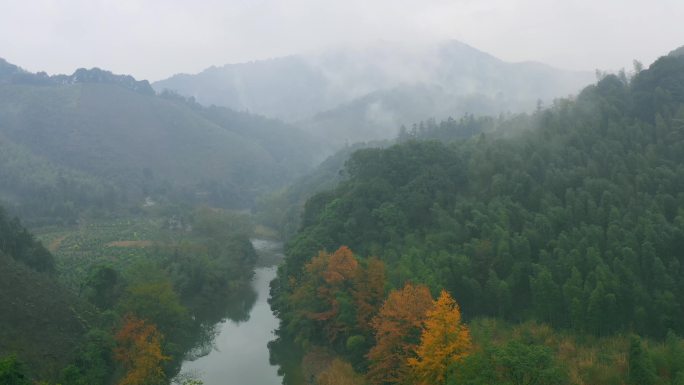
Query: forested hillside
[[576, 221], [99, 141], [281, 209], [120, 311], [131, 192], [41, 321]]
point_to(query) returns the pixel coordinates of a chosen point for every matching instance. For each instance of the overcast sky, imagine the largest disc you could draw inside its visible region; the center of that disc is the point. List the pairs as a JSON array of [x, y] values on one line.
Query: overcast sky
[[153, 39]]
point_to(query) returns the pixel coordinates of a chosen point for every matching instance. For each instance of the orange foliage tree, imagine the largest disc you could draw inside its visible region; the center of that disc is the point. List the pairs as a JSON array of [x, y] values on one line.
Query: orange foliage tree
[[338, 294], [444, 340], [397, 330], [333, 276], [339, 373], [139, 351], [369, 291]]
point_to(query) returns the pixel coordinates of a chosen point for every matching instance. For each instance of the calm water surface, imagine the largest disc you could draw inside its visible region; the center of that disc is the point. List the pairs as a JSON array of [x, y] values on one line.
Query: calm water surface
[[240, 355]]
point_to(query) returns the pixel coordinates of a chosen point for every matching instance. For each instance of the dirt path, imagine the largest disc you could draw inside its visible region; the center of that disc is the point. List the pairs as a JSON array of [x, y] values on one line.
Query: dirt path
[[133, 244], [54, 245]]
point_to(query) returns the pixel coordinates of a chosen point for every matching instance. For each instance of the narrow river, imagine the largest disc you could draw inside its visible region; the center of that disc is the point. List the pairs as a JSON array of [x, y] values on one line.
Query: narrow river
[[240, 355]]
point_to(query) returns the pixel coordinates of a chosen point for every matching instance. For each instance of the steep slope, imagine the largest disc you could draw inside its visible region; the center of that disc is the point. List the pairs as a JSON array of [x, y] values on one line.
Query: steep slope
[[281, 209], [380, 115], [577, 221], [40, 320], [288, 88], [378, 86], [677, 52], [124, 143]]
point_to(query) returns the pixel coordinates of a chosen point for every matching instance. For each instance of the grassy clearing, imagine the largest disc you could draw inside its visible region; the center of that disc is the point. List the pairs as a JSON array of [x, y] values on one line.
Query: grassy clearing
[[131, 244]]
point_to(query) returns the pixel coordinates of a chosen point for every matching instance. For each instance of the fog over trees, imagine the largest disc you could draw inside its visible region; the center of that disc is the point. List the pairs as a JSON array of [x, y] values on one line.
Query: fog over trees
[[312, 192], [358, 94]]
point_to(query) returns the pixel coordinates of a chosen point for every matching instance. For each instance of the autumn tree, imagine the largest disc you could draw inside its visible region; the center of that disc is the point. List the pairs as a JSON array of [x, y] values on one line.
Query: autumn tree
[[333, 275], [397, 332], [324, 295], [139, 351], [339, 373], [339, 278], [151, 296], [369, 291], [444, 340]]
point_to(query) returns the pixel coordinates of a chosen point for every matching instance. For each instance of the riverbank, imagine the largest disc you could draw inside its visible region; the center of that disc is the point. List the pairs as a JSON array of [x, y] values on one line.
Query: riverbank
[[240, 354]]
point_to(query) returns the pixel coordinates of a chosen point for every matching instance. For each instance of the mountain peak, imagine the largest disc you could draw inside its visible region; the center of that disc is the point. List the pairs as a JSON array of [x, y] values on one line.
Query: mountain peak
[[12, 74], [679, 52], [97, 75], [8, 71]]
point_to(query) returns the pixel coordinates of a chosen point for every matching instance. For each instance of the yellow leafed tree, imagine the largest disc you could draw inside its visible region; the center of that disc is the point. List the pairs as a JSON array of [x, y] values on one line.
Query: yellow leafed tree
[[444, 340], [340, 373], [139, 350], [397, 326]]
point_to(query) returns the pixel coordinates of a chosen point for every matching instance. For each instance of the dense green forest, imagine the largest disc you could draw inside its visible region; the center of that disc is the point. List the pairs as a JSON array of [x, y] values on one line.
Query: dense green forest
[[281, 209], [571, 216]]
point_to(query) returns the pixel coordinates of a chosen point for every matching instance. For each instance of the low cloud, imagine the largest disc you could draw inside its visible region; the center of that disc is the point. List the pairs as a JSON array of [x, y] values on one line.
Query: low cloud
[[154, 39]]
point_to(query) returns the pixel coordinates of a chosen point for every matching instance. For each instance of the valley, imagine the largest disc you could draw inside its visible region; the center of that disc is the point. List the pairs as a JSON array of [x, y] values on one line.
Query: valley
[[382, 215]]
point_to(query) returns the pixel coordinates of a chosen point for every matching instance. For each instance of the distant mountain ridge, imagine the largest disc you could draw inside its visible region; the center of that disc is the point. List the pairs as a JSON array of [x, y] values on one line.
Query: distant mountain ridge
[[677, 52], [98, 140], [372, 80], [12, 74]]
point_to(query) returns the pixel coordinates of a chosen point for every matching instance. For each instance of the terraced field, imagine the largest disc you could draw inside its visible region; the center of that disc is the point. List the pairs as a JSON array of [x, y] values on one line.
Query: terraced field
[[119, 243]]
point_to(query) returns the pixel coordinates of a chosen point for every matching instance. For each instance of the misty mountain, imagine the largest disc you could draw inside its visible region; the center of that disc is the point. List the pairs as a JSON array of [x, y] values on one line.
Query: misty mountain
[[380, 114], [586, 199], [677, 52], [94, 139], [12, 74], [373, 90]]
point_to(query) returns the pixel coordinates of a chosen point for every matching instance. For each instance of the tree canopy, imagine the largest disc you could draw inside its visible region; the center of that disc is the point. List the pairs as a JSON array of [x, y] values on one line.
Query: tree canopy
[[571, 216]]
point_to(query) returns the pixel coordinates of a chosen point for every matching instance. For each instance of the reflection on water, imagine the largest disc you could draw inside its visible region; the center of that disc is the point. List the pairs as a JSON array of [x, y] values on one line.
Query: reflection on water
[[287, 356], [211, 317], [239, 354]]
